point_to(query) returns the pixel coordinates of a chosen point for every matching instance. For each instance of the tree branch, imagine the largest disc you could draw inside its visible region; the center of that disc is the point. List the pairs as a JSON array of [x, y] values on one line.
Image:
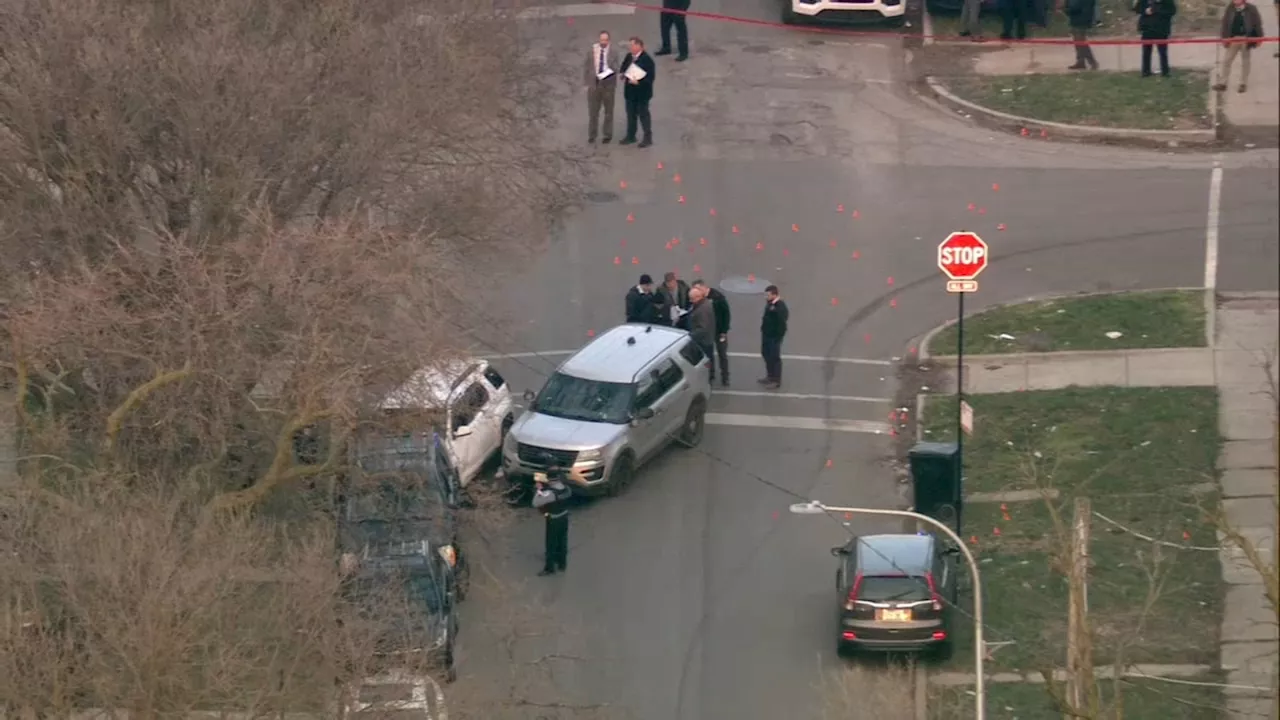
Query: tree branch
[[135, 398]]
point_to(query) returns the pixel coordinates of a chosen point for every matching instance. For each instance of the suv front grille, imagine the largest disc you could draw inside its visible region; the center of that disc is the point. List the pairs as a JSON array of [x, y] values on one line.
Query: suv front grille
[[545, 457]]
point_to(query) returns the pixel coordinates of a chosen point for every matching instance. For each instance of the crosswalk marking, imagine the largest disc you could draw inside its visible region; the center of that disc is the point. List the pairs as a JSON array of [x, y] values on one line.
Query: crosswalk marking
[[789, 422], [798, 396]]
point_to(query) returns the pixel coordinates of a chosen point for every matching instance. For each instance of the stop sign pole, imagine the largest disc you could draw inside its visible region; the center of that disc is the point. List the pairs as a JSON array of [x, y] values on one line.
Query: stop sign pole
[[962, 256]]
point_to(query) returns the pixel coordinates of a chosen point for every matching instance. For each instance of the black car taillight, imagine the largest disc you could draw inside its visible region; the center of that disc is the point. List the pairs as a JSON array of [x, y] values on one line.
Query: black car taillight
[[851, 601]]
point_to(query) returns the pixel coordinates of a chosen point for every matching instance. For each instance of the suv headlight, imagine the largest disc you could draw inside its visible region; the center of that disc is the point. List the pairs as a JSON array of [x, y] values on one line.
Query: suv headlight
[[590, 455], [449, 555]]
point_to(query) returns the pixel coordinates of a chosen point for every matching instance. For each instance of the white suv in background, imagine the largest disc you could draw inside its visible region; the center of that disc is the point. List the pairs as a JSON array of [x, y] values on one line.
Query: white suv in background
[[794, 11]]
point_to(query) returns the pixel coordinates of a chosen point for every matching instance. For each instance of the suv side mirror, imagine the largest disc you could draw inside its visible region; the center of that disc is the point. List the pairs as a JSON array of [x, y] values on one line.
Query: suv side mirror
[[644, 413], [839, 551], [463, 431]]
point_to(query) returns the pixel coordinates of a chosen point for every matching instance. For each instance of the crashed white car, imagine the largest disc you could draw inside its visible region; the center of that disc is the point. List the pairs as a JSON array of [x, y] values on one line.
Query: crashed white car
[[477, 404]]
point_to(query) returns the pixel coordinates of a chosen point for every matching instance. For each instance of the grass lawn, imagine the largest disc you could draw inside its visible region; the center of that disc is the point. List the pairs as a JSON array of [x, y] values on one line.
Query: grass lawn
[[1097, 99], [1144, 700], [1195, 17], [1137, 453], [1145, 320]]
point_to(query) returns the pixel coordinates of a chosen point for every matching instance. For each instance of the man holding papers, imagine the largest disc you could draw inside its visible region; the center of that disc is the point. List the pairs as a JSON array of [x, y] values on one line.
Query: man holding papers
[[638, 71], [601, 78]]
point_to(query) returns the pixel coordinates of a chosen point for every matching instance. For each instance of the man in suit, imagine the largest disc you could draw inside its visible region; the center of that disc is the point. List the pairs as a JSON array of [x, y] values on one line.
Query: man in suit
[[601, 77], [773, 328], [673, 300], [668, 20], [719, 306], [1013, 16], [636, 94], [1155, 23]]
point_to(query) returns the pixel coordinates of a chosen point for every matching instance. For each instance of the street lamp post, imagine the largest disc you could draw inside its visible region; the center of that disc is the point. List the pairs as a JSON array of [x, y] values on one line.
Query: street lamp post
[[814, 507]]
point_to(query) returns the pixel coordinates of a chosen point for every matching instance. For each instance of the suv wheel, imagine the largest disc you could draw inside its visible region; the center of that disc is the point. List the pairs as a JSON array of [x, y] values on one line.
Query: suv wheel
[[620, 475], [695, 421], [942, 651], [462, 582]]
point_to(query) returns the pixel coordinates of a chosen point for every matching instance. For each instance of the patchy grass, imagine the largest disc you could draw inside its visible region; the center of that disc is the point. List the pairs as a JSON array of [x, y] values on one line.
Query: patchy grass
[[1163, 319], [1117, 20], [1143, 700], [1092, 441], [1143, 457], [1097, 99]]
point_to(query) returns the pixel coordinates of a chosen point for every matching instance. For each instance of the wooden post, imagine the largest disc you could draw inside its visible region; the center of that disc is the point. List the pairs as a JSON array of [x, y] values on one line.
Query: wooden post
[[1079, 638]]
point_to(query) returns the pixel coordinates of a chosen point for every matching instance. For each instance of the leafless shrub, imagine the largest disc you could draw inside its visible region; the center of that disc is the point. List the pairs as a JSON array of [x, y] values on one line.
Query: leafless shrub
[[856, 690]]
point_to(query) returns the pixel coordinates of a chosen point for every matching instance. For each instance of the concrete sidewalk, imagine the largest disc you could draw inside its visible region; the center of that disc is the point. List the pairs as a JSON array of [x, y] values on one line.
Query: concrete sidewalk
[[1242, 365], [1258, 107]]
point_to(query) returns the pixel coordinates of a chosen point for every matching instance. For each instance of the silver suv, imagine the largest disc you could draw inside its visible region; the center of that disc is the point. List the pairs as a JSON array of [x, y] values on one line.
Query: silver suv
[[612, 406]]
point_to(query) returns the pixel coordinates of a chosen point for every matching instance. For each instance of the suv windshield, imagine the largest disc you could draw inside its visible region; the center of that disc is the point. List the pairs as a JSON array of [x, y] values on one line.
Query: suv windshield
[[886, 588], [573, 398], [380, 590]]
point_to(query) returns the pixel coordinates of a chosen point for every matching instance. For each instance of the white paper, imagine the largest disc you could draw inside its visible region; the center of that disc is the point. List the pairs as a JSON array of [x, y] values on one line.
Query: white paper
[[635, 73], [602, 75]]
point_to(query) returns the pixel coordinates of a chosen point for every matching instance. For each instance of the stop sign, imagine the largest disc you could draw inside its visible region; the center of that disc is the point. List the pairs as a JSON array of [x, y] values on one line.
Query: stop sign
[[962, 256]]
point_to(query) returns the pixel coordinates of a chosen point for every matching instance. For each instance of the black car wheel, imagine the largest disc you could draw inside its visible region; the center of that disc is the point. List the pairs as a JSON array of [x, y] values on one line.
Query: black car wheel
[[695, 422], [620, 475]]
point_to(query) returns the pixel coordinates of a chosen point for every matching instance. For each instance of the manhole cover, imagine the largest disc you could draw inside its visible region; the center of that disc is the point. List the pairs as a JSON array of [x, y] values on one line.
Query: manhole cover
[[602, 196], [750, 285]]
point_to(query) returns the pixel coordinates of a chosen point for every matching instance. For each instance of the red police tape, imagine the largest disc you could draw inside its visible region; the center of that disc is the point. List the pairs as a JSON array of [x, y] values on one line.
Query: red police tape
[[718, 17]]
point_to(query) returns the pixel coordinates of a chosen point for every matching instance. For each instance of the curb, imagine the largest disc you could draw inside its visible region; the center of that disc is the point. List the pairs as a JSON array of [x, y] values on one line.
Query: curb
[[923, 349], [1157, 138]]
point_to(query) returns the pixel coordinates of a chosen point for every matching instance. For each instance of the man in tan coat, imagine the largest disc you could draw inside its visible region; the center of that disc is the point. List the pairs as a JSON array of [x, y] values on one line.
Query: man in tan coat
[[601, 78]]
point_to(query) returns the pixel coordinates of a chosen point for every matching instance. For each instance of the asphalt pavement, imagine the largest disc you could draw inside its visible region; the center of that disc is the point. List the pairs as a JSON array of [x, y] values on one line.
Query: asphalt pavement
[[803, 160]]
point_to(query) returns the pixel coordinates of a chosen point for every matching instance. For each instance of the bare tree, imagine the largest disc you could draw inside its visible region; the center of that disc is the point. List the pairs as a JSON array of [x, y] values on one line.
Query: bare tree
[[225, 223]]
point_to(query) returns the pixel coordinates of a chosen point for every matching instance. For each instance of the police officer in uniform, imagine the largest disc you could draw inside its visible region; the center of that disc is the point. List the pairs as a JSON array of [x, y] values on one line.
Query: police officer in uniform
[[552, 498]]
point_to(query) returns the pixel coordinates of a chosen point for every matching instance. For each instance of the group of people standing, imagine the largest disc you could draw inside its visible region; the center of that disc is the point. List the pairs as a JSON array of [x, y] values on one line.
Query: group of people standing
[[1241, 21], [704, 312], [636, 70]]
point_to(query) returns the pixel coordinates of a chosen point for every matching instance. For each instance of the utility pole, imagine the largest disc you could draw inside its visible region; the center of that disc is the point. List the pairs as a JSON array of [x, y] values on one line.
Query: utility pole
[[1079, 638]]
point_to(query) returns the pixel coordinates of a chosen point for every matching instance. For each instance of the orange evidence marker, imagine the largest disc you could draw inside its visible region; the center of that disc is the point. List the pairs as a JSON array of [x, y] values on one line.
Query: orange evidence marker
[[622, 184], [591, 333], [795, 227], [659, 164], [1025, 132], [829, 463], [759, 246], [856, 255], [751, 277], [972, 207], [996, 532], [840, 208], [702, 241], [713, 212], [668, 246], [676, 178], [680, 200], [893, 302], [675, 241], [982, 211], [995, 187], [856, 214], [635, 261], [973, 539], [832, 243], [890, 280], [617, 260], [834, 302], [697, 268], [1000, 227], [631, 217], [735, 229]]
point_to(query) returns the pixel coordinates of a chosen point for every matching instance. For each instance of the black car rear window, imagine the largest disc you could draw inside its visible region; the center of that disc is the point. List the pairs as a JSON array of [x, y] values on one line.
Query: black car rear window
[[899, 588]]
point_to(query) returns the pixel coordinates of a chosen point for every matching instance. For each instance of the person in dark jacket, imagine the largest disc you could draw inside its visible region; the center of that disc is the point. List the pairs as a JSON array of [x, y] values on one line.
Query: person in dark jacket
[[773, 328], [1080, 14], [668, 20], [1155, 23], [702, 321], [642, 306], [636, 94], [673, 301], [552, 499], [1014, 14], [720, 306], [1240, 21]]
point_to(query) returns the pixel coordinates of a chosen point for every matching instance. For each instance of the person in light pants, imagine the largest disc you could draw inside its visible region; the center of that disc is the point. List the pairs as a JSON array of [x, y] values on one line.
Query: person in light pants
[[1240, 21]]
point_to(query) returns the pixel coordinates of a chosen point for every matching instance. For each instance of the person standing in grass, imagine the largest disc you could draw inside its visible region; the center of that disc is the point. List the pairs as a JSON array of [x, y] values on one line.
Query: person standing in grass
[[1155, 24], [1240, 21], [970, 12], [1080, 13]]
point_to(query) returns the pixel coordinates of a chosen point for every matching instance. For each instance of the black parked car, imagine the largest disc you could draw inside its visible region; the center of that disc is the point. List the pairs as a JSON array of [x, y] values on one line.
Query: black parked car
[[896, 592], [405, 490], [409, 593]]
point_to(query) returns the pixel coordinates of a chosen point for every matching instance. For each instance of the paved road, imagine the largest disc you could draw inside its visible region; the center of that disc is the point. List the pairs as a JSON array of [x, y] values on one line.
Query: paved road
[[695, 596]]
